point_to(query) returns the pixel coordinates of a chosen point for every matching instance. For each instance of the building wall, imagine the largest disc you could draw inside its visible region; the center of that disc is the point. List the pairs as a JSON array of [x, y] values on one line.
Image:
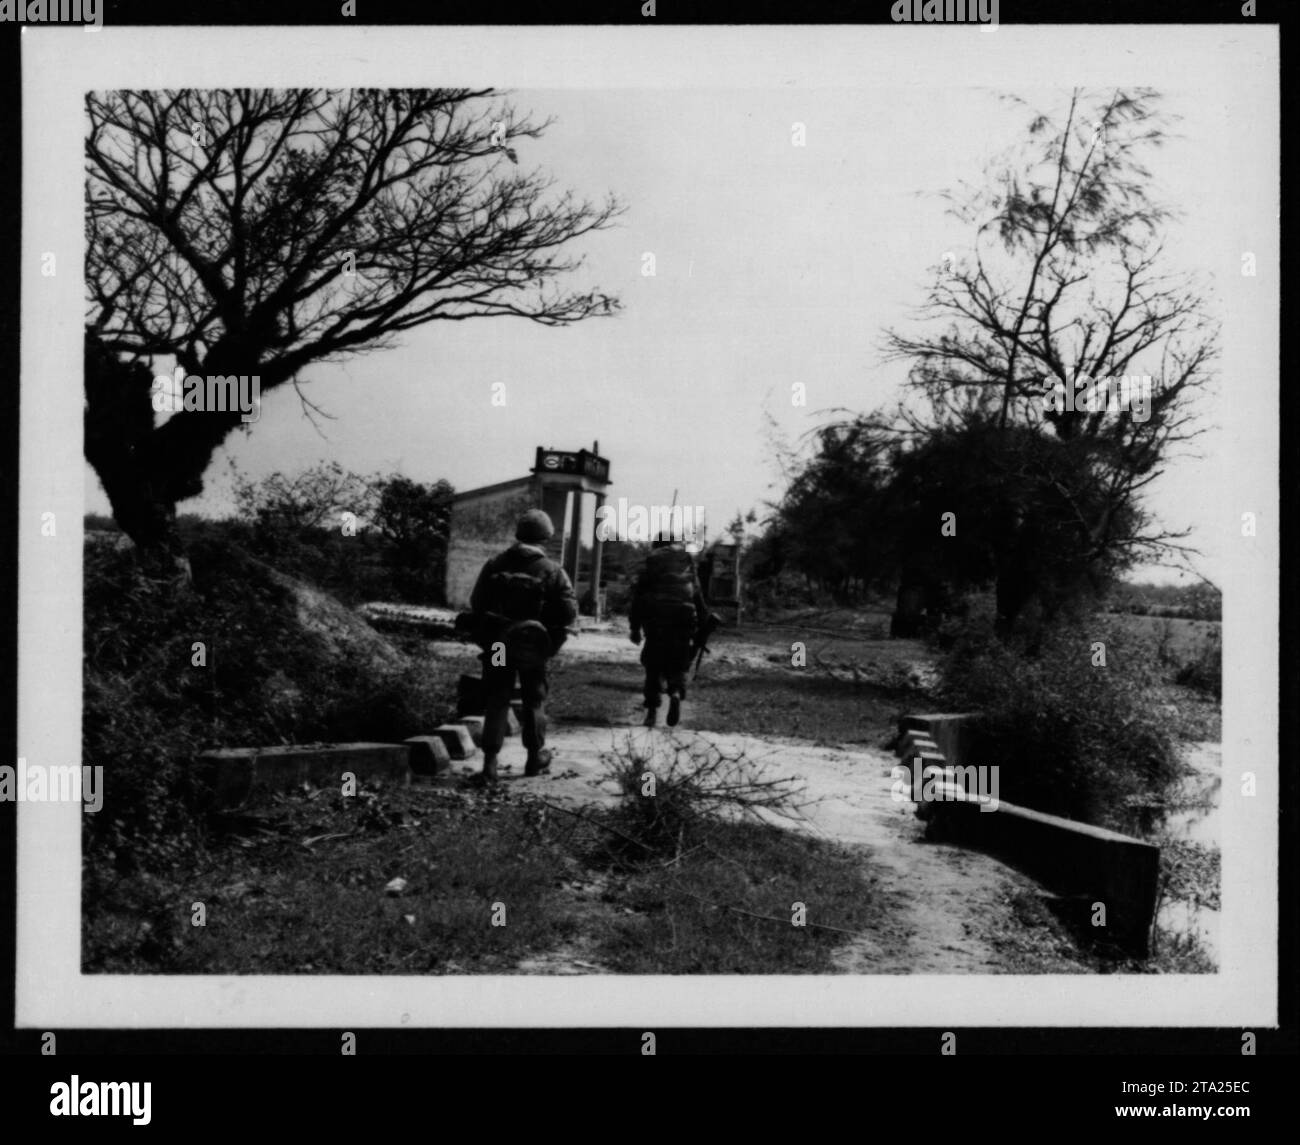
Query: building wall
[[482, 525], [465, 560], [490, 515]]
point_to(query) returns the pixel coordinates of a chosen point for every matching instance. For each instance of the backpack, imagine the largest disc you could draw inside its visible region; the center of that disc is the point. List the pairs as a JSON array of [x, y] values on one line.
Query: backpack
[[517, 600], [669, 589], [516, 595], [528, 644]]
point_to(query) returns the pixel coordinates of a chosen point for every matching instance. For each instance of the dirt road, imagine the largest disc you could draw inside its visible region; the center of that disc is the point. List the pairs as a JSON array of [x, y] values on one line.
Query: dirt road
[[951, 911]]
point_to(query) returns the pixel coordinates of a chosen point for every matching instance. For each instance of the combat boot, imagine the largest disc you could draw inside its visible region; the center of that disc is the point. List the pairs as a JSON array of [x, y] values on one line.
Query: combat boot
[[490, 769], [674, 709], [538, 763], [650, 715]]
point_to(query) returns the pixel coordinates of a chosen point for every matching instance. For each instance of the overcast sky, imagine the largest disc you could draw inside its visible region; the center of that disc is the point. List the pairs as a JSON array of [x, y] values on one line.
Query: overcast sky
[[774, 264]]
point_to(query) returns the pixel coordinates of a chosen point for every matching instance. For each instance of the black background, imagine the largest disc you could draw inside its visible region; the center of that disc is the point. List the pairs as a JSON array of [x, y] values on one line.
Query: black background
[[1028, 1082]]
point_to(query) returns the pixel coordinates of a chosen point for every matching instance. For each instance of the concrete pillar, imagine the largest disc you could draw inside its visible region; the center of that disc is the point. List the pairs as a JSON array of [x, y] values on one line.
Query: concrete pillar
[[575, 553], [553, 501], [597, 552]]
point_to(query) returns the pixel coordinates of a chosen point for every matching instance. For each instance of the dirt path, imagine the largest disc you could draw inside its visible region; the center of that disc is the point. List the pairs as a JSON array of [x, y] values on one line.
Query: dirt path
[[950, 910]]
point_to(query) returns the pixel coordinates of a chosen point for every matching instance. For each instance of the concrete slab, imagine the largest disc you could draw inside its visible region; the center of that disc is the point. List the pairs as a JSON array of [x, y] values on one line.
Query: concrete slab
[[914, 741], [1066, 856], [460, 744], [429, 756], [237, 775], [954, 732], [929, 761]]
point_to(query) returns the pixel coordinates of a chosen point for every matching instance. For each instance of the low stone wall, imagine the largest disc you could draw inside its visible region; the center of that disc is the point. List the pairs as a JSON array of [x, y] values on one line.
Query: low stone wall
[[1068, 857], [242, 776], [956, 734]]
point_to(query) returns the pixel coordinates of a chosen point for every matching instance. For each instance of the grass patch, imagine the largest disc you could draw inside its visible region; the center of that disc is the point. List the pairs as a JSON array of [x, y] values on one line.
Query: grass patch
[[1180, 954], [1189, 872], [761, 701], [728, 907], [300, 889], [801, 705], [711, 885]]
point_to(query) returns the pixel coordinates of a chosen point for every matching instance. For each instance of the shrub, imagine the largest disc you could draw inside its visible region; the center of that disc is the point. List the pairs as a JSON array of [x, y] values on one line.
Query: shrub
[[150, 708], [675, 789], [1070, 736], [395, 546], [355, 569], [974, 612]]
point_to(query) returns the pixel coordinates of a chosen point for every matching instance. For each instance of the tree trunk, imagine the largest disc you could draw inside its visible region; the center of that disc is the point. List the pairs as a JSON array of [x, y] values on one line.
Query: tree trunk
[[145, 469], [144, 515], [118, 420]]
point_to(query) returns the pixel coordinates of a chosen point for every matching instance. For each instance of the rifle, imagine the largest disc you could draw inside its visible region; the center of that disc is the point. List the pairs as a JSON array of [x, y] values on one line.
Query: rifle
[[702, 641]]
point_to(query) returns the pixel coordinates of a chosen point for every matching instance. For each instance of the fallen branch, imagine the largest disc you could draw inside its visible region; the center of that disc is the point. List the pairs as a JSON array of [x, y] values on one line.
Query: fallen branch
[[593, 822]]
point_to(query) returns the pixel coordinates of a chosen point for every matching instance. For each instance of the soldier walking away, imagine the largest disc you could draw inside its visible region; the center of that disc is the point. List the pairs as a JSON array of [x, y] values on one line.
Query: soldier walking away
[[521, 609], [668, 607]]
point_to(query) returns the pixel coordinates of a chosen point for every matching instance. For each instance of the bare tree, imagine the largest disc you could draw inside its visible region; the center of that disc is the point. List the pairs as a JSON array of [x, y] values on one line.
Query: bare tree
[[1062, 292], [257, 232]]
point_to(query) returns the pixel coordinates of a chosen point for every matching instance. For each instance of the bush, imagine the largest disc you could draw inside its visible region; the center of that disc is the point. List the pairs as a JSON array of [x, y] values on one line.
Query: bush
[[775, 595], [395, 547], [356, 569], [1070, 736], [676, 789], [974, 612], [153, 700]]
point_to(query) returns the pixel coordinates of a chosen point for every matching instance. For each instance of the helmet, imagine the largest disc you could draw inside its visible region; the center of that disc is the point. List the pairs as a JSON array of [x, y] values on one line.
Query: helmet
[[534, 526]]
